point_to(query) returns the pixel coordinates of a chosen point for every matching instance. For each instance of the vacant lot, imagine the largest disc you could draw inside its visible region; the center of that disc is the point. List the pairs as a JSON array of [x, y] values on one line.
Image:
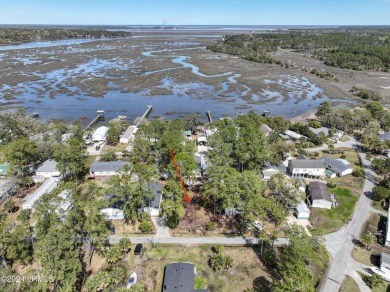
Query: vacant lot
[[326, 221], [349, 285], [247, 271]]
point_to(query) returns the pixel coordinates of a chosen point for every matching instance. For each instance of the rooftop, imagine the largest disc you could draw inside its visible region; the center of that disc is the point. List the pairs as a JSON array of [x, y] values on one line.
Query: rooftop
[[385, 136], [179, 277], [293, 134], [101, 131], [307, 163], [156, 188], [131, 130], [45, 188], [265, 129], [110, 166], [318, 130], [336, 164], [302, 207], [48, 166], [4, 168], [319, 191]]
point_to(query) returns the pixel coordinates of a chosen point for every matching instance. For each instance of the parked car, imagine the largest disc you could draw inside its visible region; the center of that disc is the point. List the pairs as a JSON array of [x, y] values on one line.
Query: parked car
[[112, 229], [258, 225], [247, 225], [138, 249], [97, 148]]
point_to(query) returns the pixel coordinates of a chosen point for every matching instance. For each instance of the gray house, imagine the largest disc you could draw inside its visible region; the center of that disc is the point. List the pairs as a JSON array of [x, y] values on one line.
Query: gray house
[[270, 171], [337, 166], [180, 277], [319, 195], [306, 168], [153, 205], [107, 168]]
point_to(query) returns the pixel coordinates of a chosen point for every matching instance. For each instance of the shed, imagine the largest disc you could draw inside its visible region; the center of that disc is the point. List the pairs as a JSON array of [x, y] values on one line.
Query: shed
[[319, 195], [128, 135], [330, 173], [302, 211], [48, 169], [100, 134]]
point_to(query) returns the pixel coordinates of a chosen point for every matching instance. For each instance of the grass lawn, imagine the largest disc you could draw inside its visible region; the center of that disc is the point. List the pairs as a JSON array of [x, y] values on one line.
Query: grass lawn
[[349, 285], [378, 205], [247, 271], [330, 220], [381, 288], [362, 255]]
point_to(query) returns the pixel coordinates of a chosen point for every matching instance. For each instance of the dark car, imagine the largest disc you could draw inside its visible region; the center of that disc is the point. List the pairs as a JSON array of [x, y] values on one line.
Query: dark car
[[138, 249], [97, 148]]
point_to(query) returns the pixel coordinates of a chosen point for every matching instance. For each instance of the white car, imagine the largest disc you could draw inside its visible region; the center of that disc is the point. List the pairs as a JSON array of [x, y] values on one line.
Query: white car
[[132, 280], [258, 225]]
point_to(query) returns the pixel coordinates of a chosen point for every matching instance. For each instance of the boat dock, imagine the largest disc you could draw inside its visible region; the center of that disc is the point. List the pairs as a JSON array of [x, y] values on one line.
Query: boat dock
[[208, 114], [145, 115], [99, 117]]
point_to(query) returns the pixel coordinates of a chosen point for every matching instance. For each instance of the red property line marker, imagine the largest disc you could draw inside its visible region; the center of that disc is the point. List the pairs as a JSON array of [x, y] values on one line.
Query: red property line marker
[[186, 197]]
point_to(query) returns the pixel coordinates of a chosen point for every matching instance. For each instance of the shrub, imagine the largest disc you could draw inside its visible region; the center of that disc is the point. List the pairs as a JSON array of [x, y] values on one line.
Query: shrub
[[358, 172], [211, 226], [145, 227], [331, 185], [173, 220], [218, 248], [343, 156]]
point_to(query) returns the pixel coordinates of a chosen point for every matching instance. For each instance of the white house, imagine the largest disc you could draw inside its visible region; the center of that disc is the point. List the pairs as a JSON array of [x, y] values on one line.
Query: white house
[[306, 168], [48, 169], [317, 131], [128, 135], [294, 135], [302, 211], [319, 195], [113, 213], [100, 134], [271, 170], [337, 166], [110, 168], [153, 206], [46, 187]]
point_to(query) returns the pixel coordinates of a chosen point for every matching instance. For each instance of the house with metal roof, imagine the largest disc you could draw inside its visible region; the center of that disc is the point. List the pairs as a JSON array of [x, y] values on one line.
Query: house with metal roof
[[265, 129], [384, 137], [112, 213], [48, 169], [346, 162], [317, 131], [319, 195], [100, 134], [109, 168], [337, 166], [302, 211], [271, 170], [306, 168], [128, 135], [45, 188], [153, 205], [180, 277], [294, 135]]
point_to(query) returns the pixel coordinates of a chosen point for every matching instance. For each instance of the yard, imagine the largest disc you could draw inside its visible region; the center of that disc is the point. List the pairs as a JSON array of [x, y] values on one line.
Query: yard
[[330, 220], [247, 271], [349, 285]]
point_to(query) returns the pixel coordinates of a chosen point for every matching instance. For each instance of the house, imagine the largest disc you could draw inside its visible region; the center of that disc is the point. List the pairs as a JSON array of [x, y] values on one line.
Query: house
[[294, 135], [128, 135], [319, 195], [48, 169], [4, 167], [270, 171], [384, 137], [180, 277], [265, 129], [330, 173], [45, 188], [153, 206], [65, 205], [112, 213], [337, 166], [302, 211], [100, 134], [201, 157], [317, 131], [344, 161], [306, 168], [65, 137], [109, 168]]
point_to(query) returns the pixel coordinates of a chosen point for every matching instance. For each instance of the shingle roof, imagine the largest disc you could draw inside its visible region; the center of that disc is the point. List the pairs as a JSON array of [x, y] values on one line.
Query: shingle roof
[[319, 191], [385, 136], [265, 129], [156, 188], [110, 166], [335, 164], [307, 163], [48, 166], [179, 277]]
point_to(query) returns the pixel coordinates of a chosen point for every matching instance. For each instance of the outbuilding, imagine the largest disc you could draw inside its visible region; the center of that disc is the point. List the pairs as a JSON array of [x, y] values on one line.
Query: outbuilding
[[302, 211]]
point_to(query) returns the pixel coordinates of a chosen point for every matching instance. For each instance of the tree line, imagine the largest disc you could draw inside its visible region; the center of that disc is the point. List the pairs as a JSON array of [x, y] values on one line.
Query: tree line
[[17, 35]]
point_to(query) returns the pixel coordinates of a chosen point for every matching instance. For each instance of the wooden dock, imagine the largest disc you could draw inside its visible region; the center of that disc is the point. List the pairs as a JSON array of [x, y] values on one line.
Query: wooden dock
[[99, 117], [208, 114], [145, 115]]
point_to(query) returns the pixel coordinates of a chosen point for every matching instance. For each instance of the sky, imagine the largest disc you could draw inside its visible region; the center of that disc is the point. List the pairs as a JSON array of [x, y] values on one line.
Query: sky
[[196, 12]]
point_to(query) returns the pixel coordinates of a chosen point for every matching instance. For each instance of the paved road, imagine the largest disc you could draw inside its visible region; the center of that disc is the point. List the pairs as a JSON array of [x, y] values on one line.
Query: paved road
[[349, 144], [162, 230], [340, 243]]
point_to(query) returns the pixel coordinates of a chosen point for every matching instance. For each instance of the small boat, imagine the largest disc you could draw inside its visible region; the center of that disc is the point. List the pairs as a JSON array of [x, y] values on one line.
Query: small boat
[[132, 280], [122, 117], [266, 114]]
